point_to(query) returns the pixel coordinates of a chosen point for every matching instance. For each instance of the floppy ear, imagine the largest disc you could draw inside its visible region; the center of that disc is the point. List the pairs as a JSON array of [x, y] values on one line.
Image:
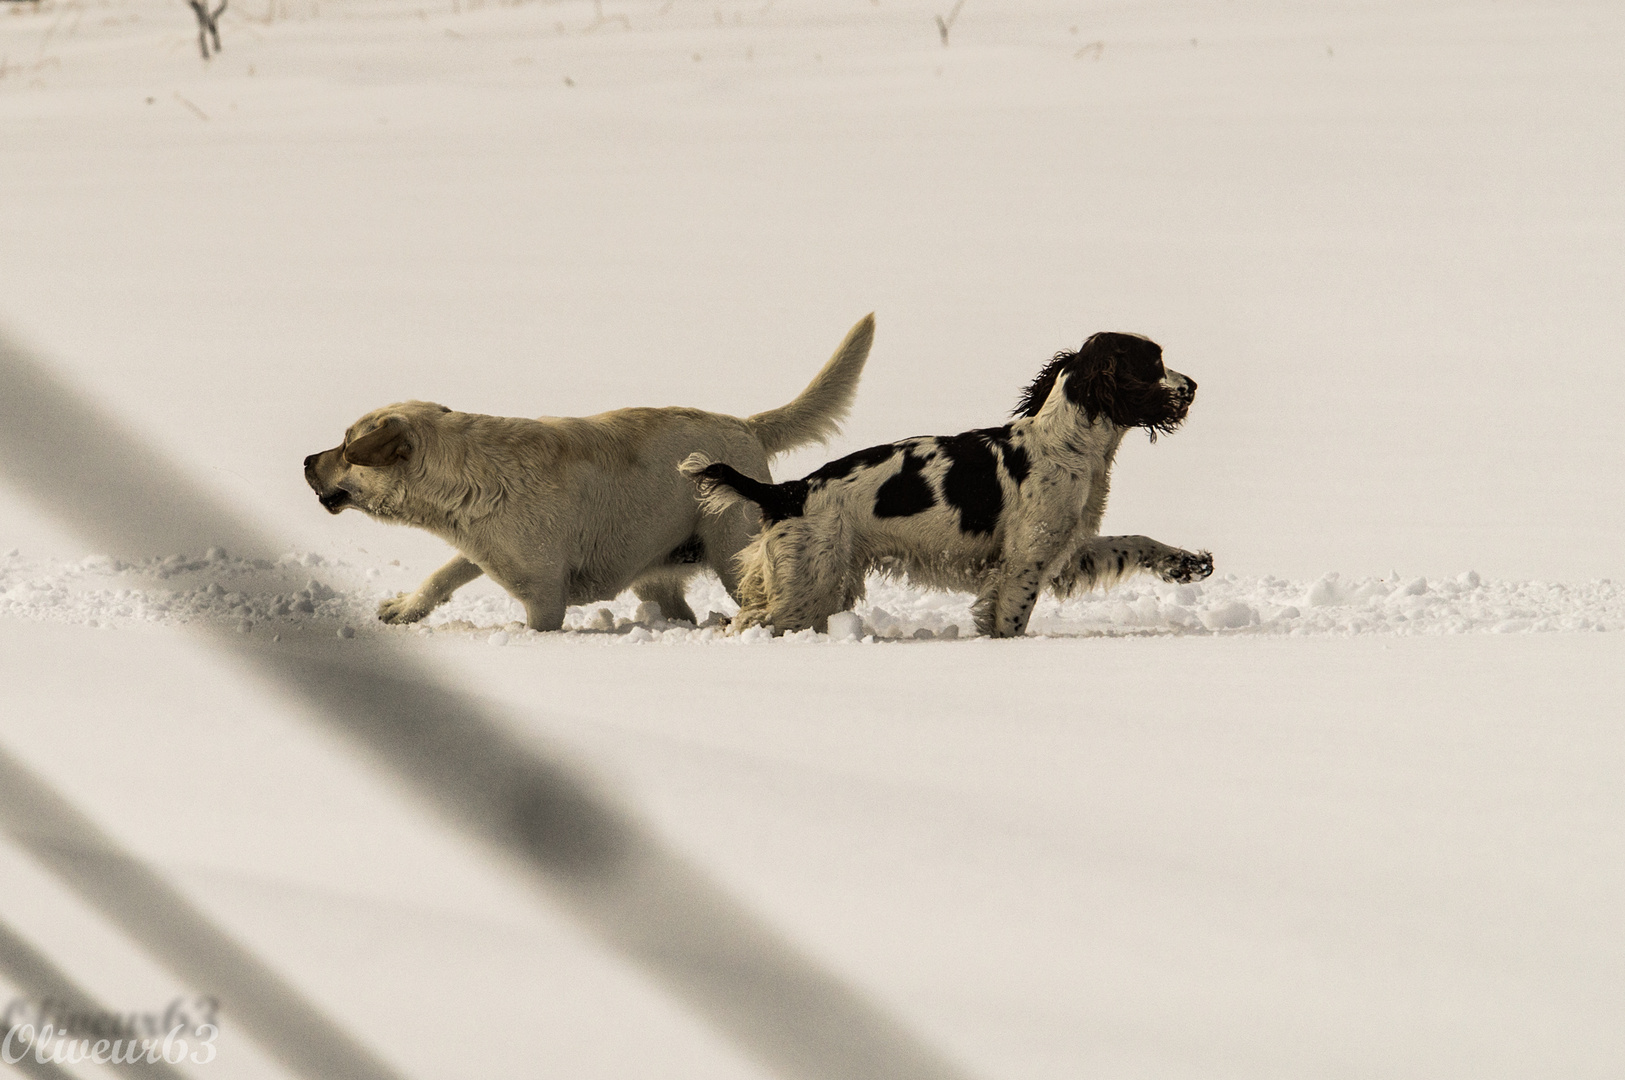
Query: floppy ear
[[384, 445], [1091, 383]]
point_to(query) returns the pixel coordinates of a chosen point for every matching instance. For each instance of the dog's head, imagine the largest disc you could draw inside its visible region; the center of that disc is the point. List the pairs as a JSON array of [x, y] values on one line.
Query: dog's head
[[1119, 377], [371, 468]]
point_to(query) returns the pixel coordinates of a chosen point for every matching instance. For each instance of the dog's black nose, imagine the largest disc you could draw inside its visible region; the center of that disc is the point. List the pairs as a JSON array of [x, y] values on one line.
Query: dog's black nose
[[310, 462]]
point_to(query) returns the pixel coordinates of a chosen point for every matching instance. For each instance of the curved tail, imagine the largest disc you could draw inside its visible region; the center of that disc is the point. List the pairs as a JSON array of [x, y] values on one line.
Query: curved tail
[[722, 486], [817, 412]]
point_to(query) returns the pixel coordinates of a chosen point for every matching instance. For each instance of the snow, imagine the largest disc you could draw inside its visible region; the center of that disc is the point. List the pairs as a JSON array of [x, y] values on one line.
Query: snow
[[1170, 856], [1350, 806], [845, 626], [268, 596]]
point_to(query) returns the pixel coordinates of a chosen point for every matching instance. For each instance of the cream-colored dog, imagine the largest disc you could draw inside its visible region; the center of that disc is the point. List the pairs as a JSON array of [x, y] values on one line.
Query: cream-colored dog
[[562, 511]]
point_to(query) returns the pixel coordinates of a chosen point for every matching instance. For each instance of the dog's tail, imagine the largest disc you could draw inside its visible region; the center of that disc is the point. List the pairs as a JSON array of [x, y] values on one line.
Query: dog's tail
[[817, 413], [722, 486]]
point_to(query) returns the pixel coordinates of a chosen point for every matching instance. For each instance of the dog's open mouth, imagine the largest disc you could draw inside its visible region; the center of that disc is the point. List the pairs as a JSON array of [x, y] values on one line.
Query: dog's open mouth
[[334, 500]]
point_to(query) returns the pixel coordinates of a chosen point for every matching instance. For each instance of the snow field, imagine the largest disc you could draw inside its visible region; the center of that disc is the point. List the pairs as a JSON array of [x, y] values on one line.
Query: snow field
[[305, 590]]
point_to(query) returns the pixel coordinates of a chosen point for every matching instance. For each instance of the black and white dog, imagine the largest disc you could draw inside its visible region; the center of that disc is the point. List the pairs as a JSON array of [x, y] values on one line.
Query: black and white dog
[[1002, 512]]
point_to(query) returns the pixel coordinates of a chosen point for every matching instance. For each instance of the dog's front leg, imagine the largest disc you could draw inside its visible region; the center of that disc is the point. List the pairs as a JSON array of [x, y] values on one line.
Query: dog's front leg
[[435, 590], [1037, 541], [545, 613], [545, 597], [1019, 584], [1106, 560]]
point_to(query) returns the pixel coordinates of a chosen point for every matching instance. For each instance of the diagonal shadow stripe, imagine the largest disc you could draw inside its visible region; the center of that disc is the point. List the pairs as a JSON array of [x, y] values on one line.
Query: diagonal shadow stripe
[[169, 926], [619, 880], [32, 972], [95, 476]]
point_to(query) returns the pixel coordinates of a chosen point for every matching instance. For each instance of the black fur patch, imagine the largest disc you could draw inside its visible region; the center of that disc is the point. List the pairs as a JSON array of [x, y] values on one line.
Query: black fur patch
[[1015, 459], [689, 551], [972, 483], [906, 493], [1142, 360], [1016, 463], [1119, 376], [841, 468]]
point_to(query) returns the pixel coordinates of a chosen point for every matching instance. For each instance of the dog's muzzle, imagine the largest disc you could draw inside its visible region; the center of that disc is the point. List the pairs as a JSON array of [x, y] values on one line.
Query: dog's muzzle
[[333, 499], [1183, 394]]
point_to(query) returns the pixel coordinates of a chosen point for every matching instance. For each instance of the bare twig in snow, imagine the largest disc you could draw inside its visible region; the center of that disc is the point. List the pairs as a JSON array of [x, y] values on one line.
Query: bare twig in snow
[[945, 25], [200, 113], [207, 24], [1094, 48]]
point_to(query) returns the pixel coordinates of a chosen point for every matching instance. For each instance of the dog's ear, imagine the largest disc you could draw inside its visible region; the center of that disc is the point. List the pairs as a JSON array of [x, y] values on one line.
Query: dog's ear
[[383, 445], [1091, 382]]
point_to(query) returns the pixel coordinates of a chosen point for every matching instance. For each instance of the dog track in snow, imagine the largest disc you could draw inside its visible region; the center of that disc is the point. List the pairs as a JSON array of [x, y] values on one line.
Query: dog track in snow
[[306, 591]]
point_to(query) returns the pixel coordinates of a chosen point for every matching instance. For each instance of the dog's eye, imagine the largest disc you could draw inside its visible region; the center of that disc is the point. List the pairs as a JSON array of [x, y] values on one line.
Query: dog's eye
[[1147, 369]]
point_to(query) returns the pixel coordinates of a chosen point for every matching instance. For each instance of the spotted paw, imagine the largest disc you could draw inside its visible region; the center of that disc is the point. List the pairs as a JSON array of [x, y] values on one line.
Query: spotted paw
[[1184, 566]]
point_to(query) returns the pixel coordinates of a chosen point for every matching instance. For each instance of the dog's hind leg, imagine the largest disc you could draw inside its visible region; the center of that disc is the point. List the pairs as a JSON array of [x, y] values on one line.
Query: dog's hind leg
[[543, 590], [435, 590], [666, 586], [749, 572], [809, 574], [1103, 561]]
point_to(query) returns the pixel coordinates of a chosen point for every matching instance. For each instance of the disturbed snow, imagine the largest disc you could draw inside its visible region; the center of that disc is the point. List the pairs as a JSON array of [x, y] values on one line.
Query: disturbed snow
[[306, 590]]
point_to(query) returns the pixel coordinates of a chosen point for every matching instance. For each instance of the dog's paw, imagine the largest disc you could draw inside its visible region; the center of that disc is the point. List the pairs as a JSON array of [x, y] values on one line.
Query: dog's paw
[[1185, 566], [747, 618], [403, 608]]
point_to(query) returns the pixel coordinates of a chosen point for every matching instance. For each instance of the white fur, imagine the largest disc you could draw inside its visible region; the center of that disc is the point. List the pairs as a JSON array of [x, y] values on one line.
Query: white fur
[[563, 511]]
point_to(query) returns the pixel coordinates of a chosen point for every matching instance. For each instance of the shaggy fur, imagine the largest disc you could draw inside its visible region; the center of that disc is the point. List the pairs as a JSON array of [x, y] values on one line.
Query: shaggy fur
[[569, 511], [1002, 512]]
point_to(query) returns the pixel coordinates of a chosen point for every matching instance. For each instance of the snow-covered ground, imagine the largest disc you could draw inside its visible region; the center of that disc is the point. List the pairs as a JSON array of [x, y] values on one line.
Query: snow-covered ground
[[1350, 807], [266, 596]]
